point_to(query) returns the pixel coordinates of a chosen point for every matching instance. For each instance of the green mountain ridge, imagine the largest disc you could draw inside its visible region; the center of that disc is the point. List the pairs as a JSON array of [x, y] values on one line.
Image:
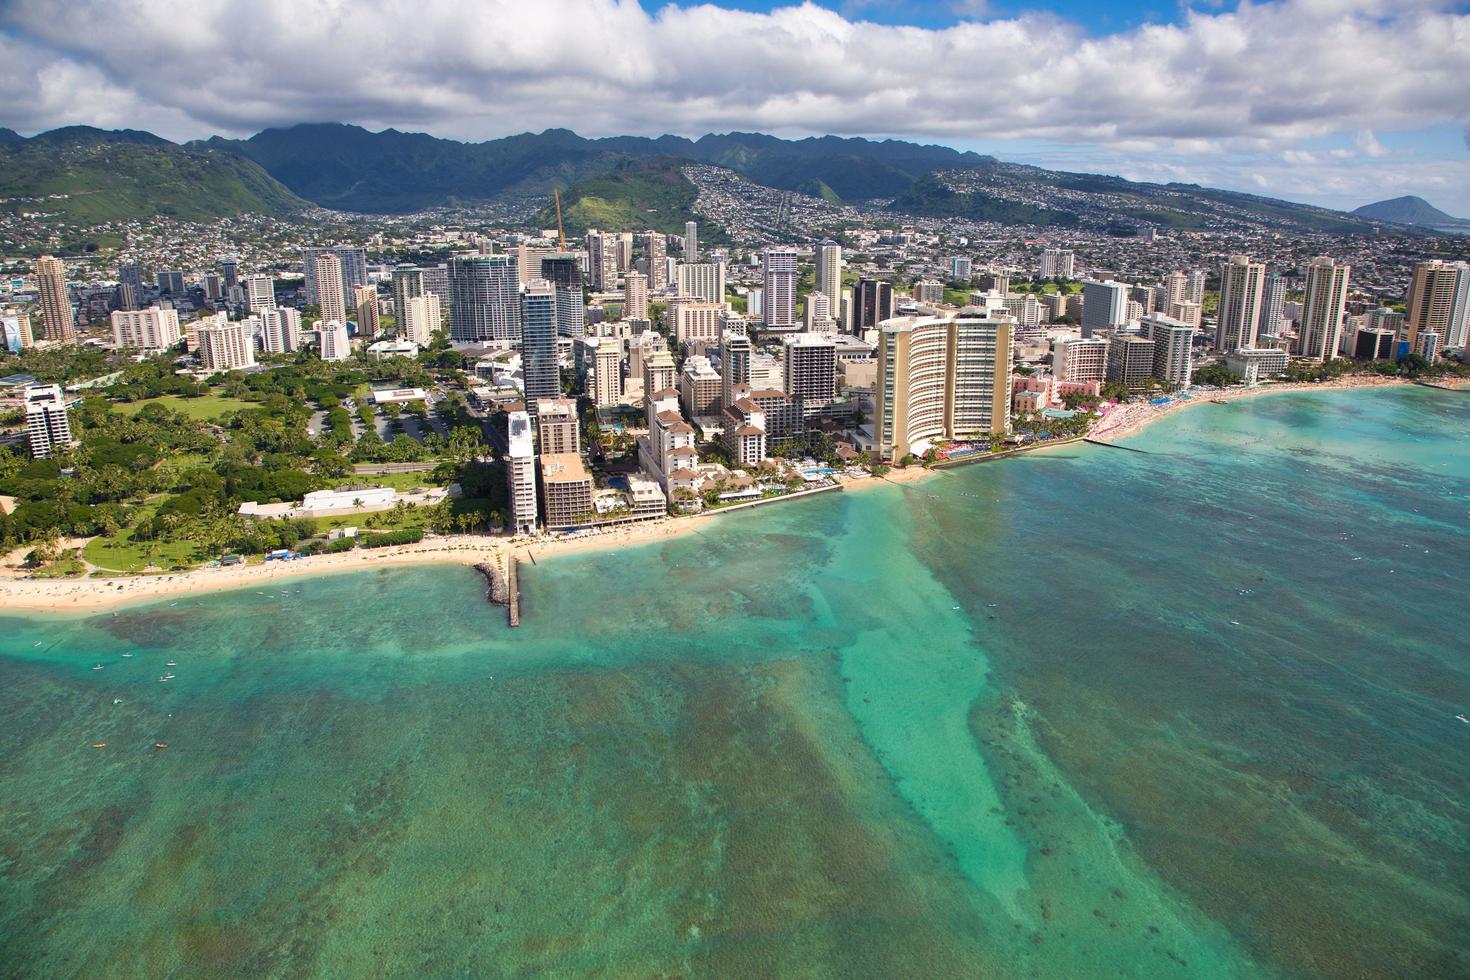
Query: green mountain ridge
[[95, 175], [642, 194], [1409, 210]]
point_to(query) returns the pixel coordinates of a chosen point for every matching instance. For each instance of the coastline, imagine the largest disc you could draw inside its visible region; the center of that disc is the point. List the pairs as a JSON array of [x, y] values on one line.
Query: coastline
[[62, 596]]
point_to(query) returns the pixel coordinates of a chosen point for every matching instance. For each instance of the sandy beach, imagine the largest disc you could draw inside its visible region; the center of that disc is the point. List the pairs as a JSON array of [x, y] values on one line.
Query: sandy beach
[[19, 594], [1130, 419]]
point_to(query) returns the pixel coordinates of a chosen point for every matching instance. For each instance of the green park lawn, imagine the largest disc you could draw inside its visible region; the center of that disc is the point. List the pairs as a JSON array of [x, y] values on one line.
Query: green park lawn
[[208, 408], [122, 554]]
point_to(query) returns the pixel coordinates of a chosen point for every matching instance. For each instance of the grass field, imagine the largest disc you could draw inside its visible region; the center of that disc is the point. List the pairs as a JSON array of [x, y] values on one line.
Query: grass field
[[209, 408], [122, 554]]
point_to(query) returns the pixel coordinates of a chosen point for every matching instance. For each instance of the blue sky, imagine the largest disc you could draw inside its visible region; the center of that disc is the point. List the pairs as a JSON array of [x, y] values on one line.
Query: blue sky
[[1095, 16]]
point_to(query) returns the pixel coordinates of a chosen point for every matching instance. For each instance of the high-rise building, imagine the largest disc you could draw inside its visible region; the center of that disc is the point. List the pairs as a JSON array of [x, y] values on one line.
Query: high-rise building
[[872, 303], [635, 296], [655, 253], [1104, 307], [1195, 289], [485, 302], [1173, 346], [605, 355], [1323, 308], [280, 330], [15, 332], [171, 283], [602, 261], [351, 271], [260, 293], [779, 275], [1130, 361], [48, 430], [57, 322], [658, 374], [421, 319], [816, 316], [1273, 305], [333, 298], [153, 329], [229, 268], [224, 344], [1057, 263], [705, 280], [571, 311], [365, 298], [1185, 312], [520, 469], [538, 343], [699, 387], [691, 242], [1080, 361], [929, 292], [1241, 283], [1436, 291], [809, 371], [828, 279], [408, 282], [941, 378], [567, 492], [335, 344], [696, 323], [561, 269], [960, 268], [735, 351], [129, 287], [556, 426]]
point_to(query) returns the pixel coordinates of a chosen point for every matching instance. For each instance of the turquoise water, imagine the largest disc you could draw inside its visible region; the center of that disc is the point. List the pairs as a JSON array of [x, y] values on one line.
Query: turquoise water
[[1187, 712]]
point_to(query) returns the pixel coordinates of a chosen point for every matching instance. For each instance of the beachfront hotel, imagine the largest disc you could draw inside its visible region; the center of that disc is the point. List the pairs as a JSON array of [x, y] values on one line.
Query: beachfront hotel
[[942, 378], [47, 427]]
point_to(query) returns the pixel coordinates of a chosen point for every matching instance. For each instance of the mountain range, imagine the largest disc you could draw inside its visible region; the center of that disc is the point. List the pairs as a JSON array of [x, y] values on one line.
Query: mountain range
[[99, 175]]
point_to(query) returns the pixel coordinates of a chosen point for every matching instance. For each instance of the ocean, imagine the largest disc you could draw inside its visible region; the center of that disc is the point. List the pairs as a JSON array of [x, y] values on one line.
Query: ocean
[[1187, 711]]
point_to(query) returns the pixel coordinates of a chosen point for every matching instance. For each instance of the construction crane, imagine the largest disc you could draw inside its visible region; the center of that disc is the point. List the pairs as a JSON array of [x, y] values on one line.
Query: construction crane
[[561, 235]]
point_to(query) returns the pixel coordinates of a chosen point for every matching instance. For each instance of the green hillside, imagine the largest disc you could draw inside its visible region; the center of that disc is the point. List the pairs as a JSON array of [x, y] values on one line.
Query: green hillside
[[636, 194], [108, 177]]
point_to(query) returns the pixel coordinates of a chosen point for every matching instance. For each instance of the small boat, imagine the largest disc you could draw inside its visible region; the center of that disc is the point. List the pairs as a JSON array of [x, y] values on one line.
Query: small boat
[[172, 663], [127, 655], [160, 745], [99, 745], [98, 667], [165, 678], [116, 701], [1463, 718], [36, 644]]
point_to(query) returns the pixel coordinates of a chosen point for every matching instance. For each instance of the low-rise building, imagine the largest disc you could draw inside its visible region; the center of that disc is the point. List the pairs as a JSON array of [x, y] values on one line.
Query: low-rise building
[[1251, 364]]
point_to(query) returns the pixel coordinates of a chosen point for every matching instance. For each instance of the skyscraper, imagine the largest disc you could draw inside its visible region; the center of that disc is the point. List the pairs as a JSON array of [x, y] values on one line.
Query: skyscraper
[[57, 324], [225, 345], [421, 318], [779, 274], [260, 293], [602, 261], [230, 272], [809, 371], [705, 280], [1104, 307], [635, 296], [171, 282], [408, 282], [129, 287], [1241, 282], [153, 329], [48, 430], [872, 303], [1436, 291], [655, 252], [1173, 346], [1057, 263], [280, 330], [538, 343], [735, 351], [485, 302], [828, 279], [1273, 305], [351, 271], [520, 469], [691, 241], [335, 344], [1323, 308], [327, 271], [941, 378], [365, 299]]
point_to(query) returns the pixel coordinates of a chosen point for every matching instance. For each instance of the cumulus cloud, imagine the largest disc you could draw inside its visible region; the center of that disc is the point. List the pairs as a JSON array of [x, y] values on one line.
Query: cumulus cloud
[[482, 69]]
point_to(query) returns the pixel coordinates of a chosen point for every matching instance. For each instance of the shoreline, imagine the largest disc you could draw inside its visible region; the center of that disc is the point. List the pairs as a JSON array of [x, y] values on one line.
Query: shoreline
[[61, 596]]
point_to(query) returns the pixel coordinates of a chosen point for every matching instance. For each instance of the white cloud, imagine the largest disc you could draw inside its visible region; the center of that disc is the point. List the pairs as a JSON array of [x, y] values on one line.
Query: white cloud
[[1260, 79]]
